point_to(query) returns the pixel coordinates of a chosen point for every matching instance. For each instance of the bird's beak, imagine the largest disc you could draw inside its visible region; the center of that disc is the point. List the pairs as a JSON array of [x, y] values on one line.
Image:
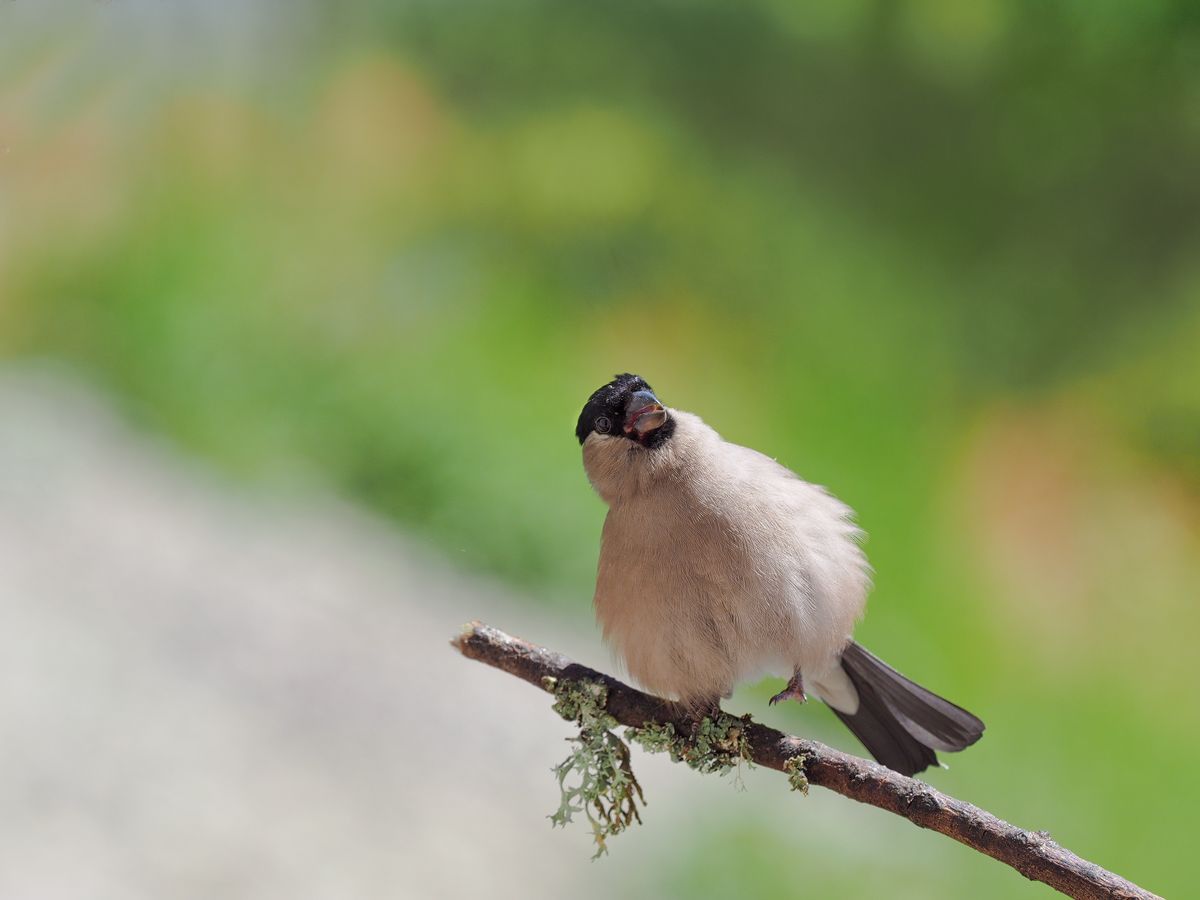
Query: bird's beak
[[643, 413]]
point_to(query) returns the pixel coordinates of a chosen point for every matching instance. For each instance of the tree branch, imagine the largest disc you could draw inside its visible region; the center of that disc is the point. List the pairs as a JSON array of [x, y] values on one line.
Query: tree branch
[[1031, 853]]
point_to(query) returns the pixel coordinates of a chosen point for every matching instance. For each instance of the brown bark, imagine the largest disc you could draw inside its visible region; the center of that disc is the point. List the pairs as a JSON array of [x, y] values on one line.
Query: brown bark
[[1031, 853]]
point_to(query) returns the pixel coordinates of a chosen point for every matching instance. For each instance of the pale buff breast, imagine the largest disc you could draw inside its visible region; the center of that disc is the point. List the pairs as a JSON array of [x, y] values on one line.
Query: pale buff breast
[[718, 565]]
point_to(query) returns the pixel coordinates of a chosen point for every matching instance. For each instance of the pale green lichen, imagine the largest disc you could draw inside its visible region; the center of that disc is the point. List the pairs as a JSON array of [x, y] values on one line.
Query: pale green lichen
[[796, 777], [719, 745], [607, 791]]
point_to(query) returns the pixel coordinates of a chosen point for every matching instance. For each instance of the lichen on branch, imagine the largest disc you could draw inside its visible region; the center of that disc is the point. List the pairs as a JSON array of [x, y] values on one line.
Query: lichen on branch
[[794, 767], [719, 745], [606, 791]]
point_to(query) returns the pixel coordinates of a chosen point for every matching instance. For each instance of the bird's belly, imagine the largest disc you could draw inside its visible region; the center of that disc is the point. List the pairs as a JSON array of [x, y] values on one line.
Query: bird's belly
[[685, 629], [693, 611]]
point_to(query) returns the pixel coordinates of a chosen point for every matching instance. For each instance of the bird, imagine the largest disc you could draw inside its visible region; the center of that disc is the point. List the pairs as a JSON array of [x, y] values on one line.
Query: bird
[[719, 566]]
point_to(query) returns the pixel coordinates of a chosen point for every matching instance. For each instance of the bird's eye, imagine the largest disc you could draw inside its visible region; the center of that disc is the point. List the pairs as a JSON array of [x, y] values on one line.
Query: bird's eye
[[603, 425]]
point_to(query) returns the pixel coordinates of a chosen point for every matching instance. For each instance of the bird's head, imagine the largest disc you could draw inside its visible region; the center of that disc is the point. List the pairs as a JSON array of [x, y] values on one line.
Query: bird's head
[[625, 409], [624, 431]]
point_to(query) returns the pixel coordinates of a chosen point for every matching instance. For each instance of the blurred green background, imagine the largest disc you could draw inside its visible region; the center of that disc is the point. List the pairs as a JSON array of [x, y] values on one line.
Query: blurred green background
[[939, 256]]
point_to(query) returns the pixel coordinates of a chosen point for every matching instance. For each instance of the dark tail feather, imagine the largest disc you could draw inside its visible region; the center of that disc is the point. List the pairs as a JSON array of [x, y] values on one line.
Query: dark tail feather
[[882, 734], [900, 722]]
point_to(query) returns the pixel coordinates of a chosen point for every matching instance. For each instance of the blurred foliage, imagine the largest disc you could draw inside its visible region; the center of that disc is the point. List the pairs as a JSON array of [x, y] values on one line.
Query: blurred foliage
[[939, 256]]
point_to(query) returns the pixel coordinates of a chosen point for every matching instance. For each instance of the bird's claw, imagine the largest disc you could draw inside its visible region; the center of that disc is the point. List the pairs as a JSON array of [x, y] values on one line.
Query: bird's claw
[[793, 691]]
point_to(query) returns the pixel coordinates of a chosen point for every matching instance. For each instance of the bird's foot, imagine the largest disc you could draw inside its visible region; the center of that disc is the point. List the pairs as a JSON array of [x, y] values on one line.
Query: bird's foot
[[697, 714], [793, 691]]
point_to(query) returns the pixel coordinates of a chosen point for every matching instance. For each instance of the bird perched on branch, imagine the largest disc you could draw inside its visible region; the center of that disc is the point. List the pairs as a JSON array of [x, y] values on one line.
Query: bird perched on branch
[[719, 566]]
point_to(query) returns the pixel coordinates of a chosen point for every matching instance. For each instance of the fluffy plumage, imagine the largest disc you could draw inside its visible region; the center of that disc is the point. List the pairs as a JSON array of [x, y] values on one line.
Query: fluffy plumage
[[718, 566]]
